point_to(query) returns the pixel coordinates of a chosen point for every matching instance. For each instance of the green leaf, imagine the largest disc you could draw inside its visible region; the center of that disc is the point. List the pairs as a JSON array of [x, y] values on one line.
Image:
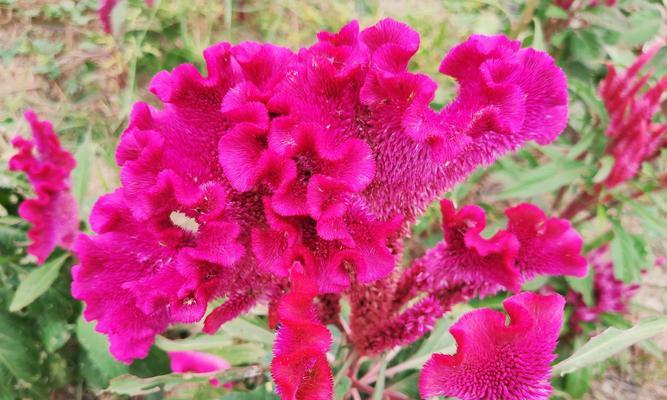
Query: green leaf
[[97, 348], [378, 391], [644, 25], [609, 343], [131, 385], [538, 36], [38, 281], [19, 355], [578, 382], [544, 179], [629, 253], [606, 163], [257, 394], [583, 286], [195, 343], [240, 328]]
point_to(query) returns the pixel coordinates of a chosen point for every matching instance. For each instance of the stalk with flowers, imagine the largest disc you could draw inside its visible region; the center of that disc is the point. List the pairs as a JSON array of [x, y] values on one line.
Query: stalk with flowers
[[290, 181]]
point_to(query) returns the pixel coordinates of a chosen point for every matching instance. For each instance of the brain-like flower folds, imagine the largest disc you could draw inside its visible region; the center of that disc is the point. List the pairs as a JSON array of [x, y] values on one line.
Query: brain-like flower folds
[[53, 213], [495, 361], [632, 135], [532, 244], [322, 157], [299, 367]]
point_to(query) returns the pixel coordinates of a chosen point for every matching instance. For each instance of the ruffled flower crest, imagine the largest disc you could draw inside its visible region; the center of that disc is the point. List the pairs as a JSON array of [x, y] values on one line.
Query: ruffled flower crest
[[53, 212], [320, 158], [497, 361]]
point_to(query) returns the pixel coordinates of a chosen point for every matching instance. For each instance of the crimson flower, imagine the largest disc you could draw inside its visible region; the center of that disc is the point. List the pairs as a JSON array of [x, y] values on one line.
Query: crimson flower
[[632, 135], [499, 361], [323, 158], [53, 212]]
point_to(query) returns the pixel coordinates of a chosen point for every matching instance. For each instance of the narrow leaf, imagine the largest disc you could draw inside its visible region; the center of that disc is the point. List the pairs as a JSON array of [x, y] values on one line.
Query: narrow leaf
[[609, 343], [36, 283]]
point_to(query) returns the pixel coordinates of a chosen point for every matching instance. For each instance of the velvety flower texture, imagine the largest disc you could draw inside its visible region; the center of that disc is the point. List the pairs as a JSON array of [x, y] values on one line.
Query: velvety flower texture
[[533, 244], [322, 157], [53, 212], [463, 266], [610, 295], [496, 361], [632, 136], [198, 362], [299, 367]]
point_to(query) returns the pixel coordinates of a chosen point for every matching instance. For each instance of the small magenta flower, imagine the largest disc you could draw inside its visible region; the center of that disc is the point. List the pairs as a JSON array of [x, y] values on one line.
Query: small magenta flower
[[632, 135], [499, 361], [198, 362], [53, 212], [299, 367], [610, 295]]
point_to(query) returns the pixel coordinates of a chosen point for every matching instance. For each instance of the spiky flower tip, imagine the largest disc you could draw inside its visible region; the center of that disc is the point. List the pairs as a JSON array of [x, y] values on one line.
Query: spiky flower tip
[[632, 135], [497, 361], [322, 157], [53, 212]]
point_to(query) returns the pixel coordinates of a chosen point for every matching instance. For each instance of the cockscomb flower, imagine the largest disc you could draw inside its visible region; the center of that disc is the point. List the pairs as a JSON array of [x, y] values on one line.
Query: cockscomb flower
[[299, 367], [533, 244], [322, 157], [499, 361], [53, 212], [632, 135], [610, 295], [198, 362], [463, 266]]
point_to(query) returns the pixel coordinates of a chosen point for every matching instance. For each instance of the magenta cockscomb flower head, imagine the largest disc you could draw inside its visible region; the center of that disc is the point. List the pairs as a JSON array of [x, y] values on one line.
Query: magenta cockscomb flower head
[[299, 367], [632, 135], [53, 212], [610, 295], [532, 245], [322, 158], [198, 362], [495, 360]]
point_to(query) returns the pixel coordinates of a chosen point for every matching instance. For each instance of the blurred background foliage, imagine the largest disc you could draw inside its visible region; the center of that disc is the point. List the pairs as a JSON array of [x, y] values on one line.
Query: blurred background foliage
[[57, 60]]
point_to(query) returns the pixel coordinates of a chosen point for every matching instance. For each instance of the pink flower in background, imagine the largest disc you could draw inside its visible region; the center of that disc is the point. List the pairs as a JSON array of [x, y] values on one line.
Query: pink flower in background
[[299, 367], [322, 157], [632, 135], [567, 4], [610, 295], [198, 362], [499, 361], [53, 212]]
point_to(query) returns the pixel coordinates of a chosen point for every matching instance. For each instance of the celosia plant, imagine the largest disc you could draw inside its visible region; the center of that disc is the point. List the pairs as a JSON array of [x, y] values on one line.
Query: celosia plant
[[53, 212], [632, 136], [302, 172], [610, 295]]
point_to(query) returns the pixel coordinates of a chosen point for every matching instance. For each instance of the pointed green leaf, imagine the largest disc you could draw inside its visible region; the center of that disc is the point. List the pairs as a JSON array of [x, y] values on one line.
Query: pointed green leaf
[[38, 281], [609, 343]]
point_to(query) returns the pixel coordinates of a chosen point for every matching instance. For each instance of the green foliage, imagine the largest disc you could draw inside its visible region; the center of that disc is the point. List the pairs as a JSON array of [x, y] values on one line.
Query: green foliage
[[60, 63]]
